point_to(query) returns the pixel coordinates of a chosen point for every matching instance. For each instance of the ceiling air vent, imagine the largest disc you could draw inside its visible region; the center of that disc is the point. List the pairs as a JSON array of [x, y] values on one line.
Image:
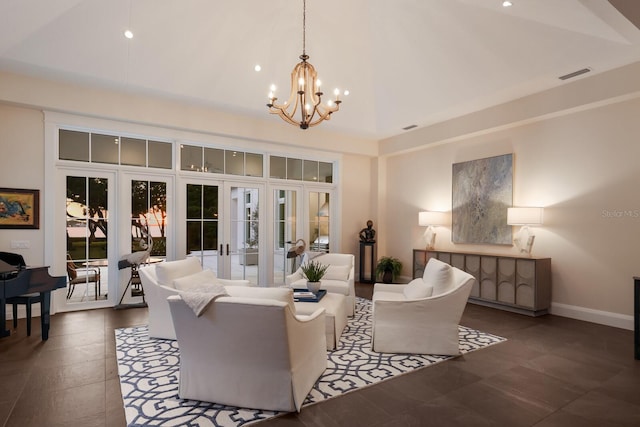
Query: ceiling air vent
[[575, 74], [409, 127]]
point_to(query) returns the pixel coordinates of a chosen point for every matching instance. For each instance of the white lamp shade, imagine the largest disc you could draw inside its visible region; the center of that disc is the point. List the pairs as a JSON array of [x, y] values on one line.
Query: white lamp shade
[[525, 216], [427, 218]]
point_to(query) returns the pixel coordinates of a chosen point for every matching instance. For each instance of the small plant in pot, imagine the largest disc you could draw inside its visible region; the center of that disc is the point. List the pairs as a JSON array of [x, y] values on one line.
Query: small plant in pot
[[314, 272], [389, 268]]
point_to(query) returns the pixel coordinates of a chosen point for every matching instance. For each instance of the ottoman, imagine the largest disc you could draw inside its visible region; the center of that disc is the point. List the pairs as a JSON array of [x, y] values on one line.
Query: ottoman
[[335, 306]]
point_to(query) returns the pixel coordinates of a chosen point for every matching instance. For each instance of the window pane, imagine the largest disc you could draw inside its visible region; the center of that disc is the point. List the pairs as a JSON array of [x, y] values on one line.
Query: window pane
[[254, 164], [149, 216], [194, 201], [277, 167], [77, 196], [325, 172], [73, 145], [210, 202], [160, 155], [210, 235], [310, 170], [294, 169], [139, 210], [98, 218], [104, 148], [157, 217], [213, 160], [234, 162], [194, 233], [133, 152], [319, 221], [190, 158]]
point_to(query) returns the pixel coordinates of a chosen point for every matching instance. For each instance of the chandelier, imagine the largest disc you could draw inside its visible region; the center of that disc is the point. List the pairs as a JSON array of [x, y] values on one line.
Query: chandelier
[[305, 99]]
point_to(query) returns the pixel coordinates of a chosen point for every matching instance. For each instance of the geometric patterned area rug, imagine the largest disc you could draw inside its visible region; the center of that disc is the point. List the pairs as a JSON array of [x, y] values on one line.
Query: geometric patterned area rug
[[149, 372]]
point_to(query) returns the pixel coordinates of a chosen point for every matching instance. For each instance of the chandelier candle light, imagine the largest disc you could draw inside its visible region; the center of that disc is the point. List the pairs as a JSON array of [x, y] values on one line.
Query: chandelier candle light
[[305, 96]]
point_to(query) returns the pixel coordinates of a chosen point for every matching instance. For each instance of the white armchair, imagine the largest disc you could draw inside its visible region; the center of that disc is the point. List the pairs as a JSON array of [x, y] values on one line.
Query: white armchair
[[168, 278], [339, 278], [421, 317], [249, 349]]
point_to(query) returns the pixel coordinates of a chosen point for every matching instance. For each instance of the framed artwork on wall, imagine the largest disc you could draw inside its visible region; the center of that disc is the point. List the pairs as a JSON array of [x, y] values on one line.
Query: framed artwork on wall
[[19, 208], [482, 191]]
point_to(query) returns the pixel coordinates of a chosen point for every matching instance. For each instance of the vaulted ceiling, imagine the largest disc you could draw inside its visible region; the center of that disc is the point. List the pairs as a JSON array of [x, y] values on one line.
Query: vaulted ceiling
[[405, 62]]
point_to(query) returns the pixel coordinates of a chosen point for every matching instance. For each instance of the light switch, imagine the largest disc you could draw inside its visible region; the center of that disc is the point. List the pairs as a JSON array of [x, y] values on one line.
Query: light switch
[[20, 244]]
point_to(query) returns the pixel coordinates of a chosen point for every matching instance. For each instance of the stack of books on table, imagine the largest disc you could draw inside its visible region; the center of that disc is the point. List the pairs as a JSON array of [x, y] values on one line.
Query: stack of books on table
[[303, 295]]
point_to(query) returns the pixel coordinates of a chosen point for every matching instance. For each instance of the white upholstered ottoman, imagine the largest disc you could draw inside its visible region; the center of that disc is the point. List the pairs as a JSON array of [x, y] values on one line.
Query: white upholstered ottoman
[[335, 306]]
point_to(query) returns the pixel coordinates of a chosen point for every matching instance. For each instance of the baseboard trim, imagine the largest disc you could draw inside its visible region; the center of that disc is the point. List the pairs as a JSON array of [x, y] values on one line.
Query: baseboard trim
[[595, 316]]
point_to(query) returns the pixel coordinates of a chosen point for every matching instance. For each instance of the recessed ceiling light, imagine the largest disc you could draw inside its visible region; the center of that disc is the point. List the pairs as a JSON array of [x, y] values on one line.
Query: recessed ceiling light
[[506, 3], [257, 67], [128, 34]]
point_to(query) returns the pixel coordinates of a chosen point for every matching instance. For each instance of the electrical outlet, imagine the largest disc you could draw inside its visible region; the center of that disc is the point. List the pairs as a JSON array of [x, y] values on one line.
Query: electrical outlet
[[20, 244]]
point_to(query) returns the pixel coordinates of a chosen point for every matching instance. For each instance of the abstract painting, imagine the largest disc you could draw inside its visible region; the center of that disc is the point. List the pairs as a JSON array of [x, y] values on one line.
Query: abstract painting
[[482, 191], [19, 208]]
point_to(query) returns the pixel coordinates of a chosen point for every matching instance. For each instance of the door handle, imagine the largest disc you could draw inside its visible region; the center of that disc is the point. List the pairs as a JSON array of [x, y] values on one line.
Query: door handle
[[221, 252], [227, 249]]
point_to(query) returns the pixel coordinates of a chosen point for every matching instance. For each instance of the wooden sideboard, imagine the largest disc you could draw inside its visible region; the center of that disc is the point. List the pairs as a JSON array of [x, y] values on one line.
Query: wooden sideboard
[[518, 284]]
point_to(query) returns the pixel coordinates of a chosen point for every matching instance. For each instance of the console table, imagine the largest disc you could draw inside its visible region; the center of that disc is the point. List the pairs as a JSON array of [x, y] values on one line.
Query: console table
[[518, 284]]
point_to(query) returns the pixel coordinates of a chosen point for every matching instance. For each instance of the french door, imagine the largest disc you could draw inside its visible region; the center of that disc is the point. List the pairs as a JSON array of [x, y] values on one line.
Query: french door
[[148, 234], [286, 232], [223, 227], [86, 209]]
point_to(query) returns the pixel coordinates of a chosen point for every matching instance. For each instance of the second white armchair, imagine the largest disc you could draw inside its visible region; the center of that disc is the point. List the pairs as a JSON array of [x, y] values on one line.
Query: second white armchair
[[422, 316], [338, 279]]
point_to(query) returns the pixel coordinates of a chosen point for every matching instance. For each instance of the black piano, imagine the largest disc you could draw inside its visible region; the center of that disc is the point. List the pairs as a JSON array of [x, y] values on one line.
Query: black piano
[[16, 281]]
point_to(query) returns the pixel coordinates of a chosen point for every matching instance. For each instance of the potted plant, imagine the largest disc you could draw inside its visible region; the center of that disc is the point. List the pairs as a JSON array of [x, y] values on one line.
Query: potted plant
[[389, 268], [313, 271]]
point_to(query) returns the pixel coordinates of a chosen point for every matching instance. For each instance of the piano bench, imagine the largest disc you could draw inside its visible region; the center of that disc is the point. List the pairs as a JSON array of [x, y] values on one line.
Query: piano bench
[[27, 300]]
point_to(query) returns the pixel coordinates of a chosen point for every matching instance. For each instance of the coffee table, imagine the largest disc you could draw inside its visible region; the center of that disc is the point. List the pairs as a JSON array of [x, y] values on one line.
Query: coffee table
[[335, 306]]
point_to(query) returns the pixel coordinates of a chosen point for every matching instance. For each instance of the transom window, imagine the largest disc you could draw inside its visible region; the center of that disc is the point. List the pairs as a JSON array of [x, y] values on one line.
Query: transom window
[[300, 170], [114, 149], [216, 160]]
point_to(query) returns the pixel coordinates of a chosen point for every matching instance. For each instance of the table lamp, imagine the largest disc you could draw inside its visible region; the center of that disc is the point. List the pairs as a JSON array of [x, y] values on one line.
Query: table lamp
[[525, 217], [430, 219]]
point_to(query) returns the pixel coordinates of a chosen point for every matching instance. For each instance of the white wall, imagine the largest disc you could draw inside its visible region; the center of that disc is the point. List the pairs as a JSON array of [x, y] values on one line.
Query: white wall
[[21, 166], [583, 167], [358, 197]]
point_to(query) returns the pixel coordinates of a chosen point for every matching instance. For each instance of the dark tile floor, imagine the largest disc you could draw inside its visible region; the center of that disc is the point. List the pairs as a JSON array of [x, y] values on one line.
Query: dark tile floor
[[552, 371]]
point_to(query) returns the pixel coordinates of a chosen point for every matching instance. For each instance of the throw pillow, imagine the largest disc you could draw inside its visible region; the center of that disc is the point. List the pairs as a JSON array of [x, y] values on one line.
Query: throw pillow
[[195, 281], [417, 289], [168, 271], [439, 275], [337, 272]]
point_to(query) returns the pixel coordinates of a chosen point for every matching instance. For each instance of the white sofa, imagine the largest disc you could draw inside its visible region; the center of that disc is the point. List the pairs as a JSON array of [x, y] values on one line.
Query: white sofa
[[167, 278], [249, 349], [339, 278], [422, 316]]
